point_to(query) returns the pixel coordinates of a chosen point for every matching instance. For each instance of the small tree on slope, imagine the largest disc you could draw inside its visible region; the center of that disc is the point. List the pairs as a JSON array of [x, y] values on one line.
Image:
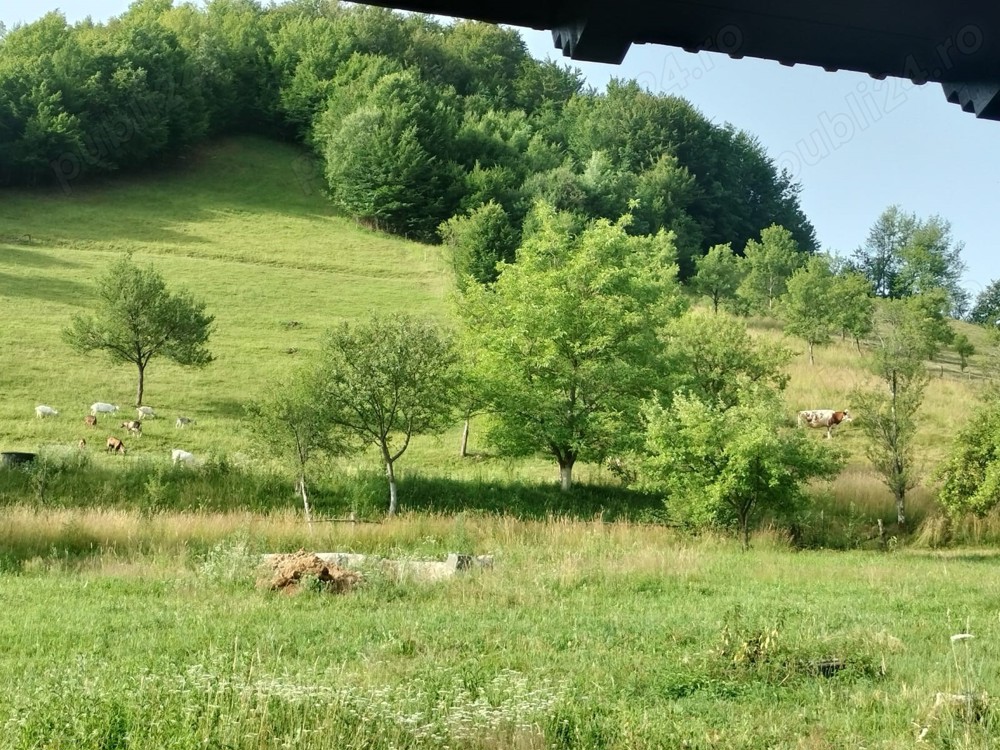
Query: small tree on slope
[[138, 318]]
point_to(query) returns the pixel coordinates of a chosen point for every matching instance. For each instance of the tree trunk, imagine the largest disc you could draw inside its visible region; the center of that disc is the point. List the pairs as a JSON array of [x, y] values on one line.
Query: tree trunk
[[811, 360], [301, 487], [715, 303], [565, 476], [900, 510], [393, 502], [745, 528], [138, 390], [463, 451]]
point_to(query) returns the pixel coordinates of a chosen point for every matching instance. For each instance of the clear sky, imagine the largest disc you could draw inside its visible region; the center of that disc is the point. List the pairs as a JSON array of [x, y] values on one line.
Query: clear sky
[[856, 145]]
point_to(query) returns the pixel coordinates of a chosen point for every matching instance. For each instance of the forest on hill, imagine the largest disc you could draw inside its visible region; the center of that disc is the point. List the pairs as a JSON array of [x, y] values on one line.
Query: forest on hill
[[414, 122]]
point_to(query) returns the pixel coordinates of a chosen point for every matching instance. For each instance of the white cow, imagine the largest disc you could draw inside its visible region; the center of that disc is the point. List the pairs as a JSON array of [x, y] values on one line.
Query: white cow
[[146, 412], [179, 456], [102, 408], [42, 411]]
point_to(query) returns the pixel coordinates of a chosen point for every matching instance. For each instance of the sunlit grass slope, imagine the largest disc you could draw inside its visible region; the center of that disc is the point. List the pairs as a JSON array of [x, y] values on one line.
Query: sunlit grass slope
[[244, 225], [237, 226]]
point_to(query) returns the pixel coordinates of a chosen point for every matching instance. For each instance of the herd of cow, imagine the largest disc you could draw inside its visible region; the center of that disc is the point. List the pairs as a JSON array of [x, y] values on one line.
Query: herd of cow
[[132, 426]]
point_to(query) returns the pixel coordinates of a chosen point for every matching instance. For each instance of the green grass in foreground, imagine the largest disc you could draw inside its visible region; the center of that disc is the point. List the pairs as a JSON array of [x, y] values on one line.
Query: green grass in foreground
[[584, 635]]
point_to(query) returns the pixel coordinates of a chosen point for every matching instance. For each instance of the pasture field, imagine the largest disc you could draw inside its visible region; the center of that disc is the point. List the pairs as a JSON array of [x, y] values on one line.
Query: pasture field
[[132, 616], [583, 635]]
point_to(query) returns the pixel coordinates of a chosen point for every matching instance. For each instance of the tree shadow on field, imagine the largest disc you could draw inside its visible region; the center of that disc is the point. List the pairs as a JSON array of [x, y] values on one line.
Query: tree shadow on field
[[46, 289], [527, 500], [18, 256], [226, 407]]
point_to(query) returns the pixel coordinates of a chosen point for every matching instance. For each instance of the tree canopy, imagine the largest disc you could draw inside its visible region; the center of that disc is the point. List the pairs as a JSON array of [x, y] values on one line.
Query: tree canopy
[[137, 319], [567, 338], [385, 380]]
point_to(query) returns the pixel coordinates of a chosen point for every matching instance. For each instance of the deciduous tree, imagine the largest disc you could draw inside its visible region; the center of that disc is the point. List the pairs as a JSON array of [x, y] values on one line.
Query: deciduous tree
[[292, 421], [386, 380], [716, 359], [889, 411], [567, 338], [986, 311], [138, 319], [478, 241], [808, 305], [717, 274], [971, 473], [727, 467], [767, 265]]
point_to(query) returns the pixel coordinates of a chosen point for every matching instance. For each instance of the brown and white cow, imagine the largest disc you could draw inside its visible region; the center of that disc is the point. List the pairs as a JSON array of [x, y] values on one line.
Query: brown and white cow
[[116, 446], [827, 418], [90, 420]]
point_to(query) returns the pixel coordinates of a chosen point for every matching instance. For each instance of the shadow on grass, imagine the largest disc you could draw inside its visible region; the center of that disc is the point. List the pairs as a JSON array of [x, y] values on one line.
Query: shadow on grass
[[225, 407], [46, 289], [367, 495], [18, 256]]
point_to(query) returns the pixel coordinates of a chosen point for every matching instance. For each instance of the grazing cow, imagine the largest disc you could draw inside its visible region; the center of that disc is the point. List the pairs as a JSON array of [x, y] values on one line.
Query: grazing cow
[[116, 446], [827, 418], [179, 456], [42, 411], [102, 408], [82, 443], [146, 412], [134, 426], [183, 422], [90, 420]]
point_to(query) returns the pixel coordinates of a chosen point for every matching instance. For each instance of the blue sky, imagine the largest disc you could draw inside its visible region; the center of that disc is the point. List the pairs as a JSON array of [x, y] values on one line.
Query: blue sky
[[857, 145]]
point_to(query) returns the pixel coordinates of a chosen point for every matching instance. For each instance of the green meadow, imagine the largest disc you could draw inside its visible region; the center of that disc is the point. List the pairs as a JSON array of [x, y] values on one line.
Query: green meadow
[[133, 620]]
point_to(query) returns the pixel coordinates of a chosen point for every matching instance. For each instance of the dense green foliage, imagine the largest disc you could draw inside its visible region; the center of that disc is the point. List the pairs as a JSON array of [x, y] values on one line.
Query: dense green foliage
[[971, 474], [415, 121], [766, 267], [728, 466], [567, 338], [717, 275], [904, 256], [716, 359], [986, 310]]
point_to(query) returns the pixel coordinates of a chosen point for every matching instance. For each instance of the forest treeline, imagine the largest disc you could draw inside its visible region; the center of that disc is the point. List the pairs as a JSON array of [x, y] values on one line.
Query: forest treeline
[[416, 122]]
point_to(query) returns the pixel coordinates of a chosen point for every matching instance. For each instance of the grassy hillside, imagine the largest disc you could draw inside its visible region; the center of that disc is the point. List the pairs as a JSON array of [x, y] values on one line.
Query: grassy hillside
[[244, 225]]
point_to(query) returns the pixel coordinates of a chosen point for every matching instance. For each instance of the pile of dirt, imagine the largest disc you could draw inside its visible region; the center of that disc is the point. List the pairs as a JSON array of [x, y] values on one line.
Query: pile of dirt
[[288, 572]]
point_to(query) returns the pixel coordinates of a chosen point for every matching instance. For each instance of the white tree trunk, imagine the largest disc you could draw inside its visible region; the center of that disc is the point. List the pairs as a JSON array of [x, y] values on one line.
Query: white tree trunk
[[393, 501], [301, 487], [463, 452], [565, 477]]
